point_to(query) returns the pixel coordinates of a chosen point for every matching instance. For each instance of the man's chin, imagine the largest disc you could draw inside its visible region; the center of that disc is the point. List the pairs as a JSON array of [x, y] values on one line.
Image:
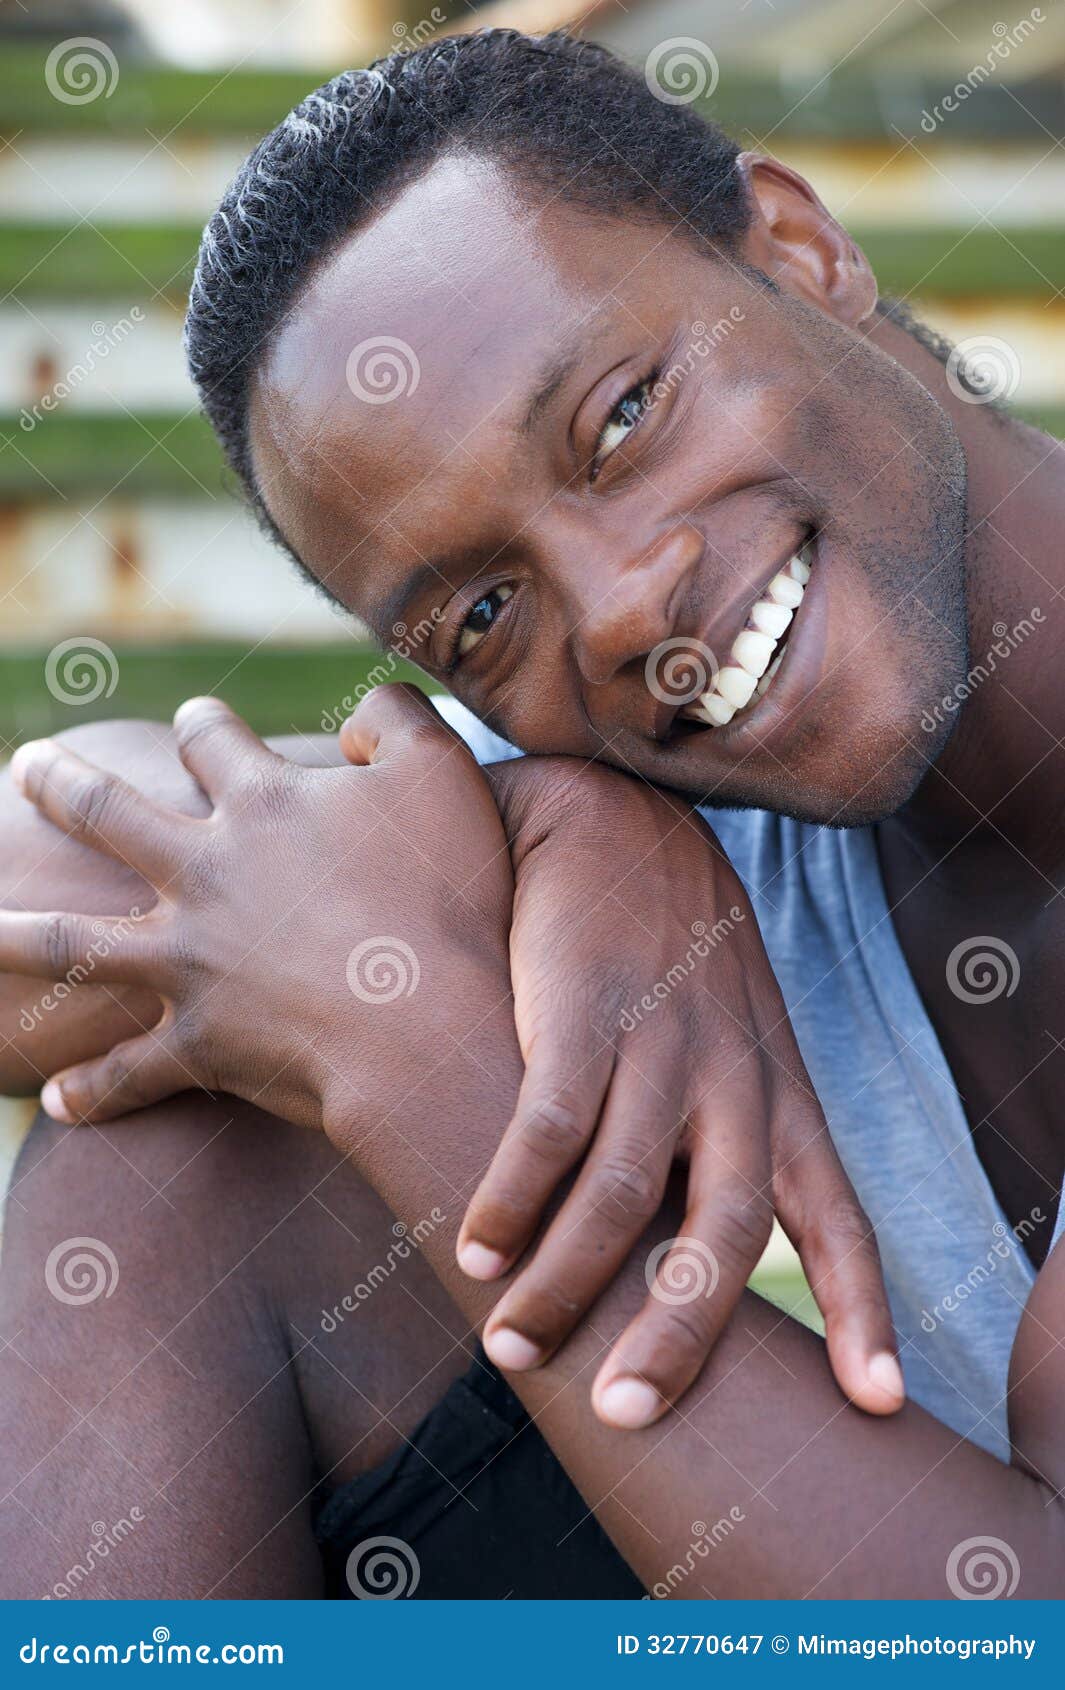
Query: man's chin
[[857, 788]]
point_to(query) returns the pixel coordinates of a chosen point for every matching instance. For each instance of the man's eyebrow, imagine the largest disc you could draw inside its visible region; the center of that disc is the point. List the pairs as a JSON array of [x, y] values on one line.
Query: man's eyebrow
[[552, 378], [386, 617]]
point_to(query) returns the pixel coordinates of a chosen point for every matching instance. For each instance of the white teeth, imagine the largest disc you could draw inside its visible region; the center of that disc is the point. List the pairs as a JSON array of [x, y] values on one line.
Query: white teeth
[[735, 685], [783, 589], [770, 618], [753, 651], [763, 684], [717, 710], [754, 658]]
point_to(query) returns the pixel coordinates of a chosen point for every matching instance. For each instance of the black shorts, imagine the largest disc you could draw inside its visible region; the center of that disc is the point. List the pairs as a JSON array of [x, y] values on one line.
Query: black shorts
[[476, 1505]]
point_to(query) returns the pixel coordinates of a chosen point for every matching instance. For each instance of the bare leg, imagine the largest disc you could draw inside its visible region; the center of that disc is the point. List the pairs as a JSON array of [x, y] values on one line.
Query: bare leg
[[187, 1420]]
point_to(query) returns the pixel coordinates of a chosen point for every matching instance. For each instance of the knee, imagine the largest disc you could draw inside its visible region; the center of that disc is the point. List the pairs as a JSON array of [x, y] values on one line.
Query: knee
[[169, 1202]]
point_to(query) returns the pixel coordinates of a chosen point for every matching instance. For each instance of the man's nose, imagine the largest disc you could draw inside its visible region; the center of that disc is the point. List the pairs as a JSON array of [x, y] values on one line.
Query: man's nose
[[631, 602]]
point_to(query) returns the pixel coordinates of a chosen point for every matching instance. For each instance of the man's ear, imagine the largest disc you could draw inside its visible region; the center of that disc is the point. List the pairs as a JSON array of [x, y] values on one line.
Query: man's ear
[[797, 243]]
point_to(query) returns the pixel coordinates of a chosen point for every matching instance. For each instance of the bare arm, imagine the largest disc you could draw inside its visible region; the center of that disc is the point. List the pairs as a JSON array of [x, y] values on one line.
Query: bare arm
[[41, 869], [832, 1502]]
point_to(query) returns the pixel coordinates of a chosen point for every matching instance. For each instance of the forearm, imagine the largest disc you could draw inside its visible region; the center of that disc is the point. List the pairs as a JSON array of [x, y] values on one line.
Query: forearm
[[44, 1027], [833, 1502]]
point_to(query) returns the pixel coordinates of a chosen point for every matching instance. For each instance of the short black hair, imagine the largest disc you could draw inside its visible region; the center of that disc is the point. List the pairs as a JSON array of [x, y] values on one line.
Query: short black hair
[[566, 116]]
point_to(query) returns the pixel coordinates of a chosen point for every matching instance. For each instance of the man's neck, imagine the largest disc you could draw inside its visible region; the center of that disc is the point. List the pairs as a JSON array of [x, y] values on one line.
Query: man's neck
[[1002, 773]]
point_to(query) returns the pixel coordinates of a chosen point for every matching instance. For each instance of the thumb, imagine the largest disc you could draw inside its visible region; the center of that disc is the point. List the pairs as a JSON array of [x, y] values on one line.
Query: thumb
[[391, 719]]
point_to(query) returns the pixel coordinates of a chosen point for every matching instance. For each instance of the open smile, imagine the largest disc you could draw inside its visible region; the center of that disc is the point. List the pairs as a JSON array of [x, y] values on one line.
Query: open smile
[[758, 650]]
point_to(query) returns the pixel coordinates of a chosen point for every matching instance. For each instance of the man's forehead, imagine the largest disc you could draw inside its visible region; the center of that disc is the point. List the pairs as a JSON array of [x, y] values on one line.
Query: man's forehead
[[457, 268]]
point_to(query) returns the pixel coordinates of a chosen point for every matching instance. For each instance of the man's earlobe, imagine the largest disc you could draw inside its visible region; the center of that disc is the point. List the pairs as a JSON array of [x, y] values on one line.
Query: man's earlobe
[[796, 241]]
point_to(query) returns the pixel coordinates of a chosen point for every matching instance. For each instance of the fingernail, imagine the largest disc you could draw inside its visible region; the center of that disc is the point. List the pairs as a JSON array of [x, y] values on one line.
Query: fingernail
[[20, 762], [480, 1262], [509, 1350], [885, 1373], [53, 1103], [629, 1403]]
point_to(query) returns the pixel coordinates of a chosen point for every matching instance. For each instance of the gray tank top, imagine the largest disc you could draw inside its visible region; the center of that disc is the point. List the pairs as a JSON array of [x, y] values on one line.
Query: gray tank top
[[957, 1276]]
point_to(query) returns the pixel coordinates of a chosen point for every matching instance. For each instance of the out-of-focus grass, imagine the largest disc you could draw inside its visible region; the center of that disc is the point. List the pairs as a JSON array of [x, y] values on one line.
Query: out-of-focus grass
[[278, 689]]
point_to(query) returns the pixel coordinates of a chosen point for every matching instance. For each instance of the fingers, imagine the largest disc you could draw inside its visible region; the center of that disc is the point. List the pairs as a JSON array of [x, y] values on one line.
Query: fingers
[[618, 1192], [553, 1122], [695, 1279], [100, 809], [77, 949], [389, 719], [218, 747], [820, 1213], [141, 1071]]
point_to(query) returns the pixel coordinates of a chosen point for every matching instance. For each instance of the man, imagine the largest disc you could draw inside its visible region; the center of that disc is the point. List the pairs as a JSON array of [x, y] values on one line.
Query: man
[[566, 493]]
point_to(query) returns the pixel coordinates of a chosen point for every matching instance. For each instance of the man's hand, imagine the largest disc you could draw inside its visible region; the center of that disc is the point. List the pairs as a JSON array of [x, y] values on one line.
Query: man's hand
[[651, 1024], [306, 931]]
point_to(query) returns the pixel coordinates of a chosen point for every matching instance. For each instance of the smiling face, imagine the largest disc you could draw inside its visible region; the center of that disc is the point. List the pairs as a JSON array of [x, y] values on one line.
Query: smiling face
[[593, 455]]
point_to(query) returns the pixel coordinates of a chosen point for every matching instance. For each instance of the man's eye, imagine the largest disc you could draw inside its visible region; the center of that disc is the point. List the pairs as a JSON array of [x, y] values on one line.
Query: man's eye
[[481, 617], [626, 416]]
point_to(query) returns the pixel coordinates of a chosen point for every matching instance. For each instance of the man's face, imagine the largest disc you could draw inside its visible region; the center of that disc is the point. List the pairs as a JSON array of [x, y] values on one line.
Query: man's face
[[611, 448]]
